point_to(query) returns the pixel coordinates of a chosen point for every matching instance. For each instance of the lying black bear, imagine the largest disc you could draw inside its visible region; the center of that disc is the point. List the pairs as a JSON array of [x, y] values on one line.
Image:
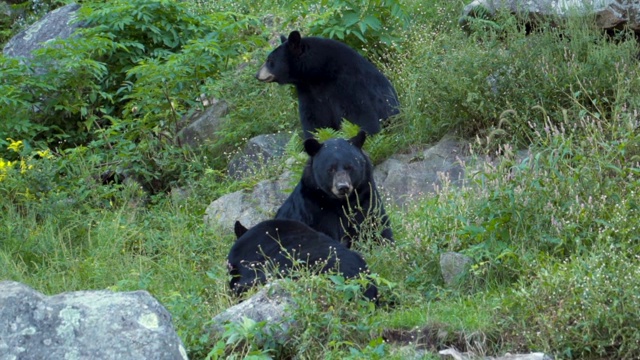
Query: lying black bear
[[337, 194], [333, 82], [274, 243]]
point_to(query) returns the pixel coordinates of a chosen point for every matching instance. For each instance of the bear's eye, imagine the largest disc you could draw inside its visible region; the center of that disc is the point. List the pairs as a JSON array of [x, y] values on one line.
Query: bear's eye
[[331, 170], [348, 167]]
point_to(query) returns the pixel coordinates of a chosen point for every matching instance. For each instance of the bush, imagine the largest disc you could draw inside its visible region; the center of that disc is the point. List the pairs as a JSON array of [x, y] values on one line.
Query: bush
[[124, 83], [368, 26]]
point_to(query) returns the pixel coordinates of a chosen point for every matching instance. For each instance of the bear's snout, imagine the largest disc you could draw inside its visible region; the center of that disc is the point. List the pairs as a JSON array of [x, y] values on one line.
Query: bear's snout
[[265, 75], [342, 184]]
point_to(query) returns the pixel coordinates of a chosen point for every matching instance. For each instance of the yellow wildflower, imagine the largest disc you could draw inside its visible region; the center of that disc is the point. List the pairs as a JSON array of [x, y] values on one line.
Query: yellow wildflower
[[44, 154], [4, 167], [14, 145]]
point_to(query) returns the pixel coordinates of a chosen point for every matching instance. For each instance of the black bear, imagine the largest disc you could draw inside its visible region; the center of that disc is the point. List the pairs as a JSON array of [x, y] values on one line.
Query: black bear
[[275, 243], [337, 194], [333, 82]]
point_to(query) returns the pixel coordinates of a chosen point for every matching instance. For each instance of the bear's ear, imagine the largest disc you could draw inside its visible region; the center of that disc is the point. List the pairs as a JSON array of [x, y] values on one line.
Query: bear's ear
[[312, 146], [239, 229], [282, 39], [359, 139], [295, 44], [294, 37]]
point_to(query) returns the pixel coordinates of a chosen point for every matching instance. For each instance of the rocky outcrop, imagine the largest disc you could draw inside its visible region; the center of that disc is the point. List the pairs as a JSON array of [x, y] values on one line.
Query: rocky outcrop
[[609, 14], [58, 24], [404, 178], [271, 304], [401, 179], [85, 325], [257, 154], [202, 126], [249, 207], [456, 355]]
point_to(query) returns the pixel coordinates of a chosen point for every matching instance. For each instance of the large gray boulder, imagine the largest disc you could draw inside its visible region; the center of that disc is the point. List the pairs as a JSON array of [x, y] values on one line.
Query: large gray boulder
[[249, 207], [259, 152], [58, 24], [609, 14], [404, 178], [272, 304], [85, 325], [202, 126], [453, 354]]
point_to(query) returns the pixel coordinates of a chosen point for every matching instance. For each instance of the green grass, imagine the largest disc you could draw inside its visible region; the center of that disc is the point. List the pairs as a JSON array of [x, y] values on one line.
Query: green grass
[[553, 239]]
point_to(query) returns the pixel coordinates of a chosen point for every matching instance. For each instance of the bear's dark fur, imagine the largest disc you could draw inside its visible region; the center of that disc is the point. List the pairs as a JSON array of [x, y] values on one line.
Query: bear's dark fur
[[272, 244], [333, 82], [337, 194]]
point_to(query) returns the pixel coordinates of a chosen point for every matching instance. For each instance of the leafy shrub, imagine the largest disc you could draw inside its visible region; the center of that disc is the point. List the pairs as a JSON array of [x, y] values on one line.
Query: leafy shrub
[[26, 179], [164, 53], [241, 339], [372, 27], [45, 182], [87, 85], [20, 96], [124, 82], [365, 25], [142, 29], [44, 108]]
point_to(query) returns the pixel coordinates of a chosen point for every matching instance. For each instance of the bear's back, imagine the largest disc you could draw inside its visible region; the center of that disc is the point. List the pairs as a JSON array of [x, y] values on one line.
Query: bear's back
[[277, 233], [334, 56], [336, 82], [267, 240]]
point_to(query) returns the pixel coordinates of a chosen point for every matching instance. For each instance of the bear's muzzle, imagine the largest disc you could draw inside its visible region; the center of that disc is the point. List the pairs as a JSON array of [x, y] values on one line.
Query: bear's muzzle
[[342, 186], [265, 75]]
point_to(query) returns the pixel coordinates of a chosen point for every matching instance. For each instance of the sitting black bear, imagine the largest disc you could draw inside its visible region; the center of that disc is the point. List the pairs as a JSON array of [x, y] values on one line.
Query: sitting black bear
[[337, 194]]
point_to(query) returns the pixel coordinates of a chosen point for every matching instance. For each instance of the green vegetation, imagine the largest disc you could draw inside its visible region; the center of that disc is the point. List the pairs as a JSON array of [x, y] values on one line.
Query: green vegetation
[[554, 237]]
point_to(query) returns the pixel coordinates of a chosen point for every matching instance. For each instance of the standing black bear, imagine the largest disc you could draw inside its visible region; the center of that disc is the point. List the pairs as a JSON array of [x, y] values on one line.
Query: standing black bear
[[276, 242], [333, 82], [337, 194]]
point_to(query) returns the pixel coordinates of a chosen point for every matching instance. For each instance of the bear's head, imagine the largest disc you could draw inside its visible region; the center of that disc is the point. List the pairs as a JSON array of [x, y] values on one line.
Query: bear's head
[[282, 60], [244, 273], [339, 166]]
